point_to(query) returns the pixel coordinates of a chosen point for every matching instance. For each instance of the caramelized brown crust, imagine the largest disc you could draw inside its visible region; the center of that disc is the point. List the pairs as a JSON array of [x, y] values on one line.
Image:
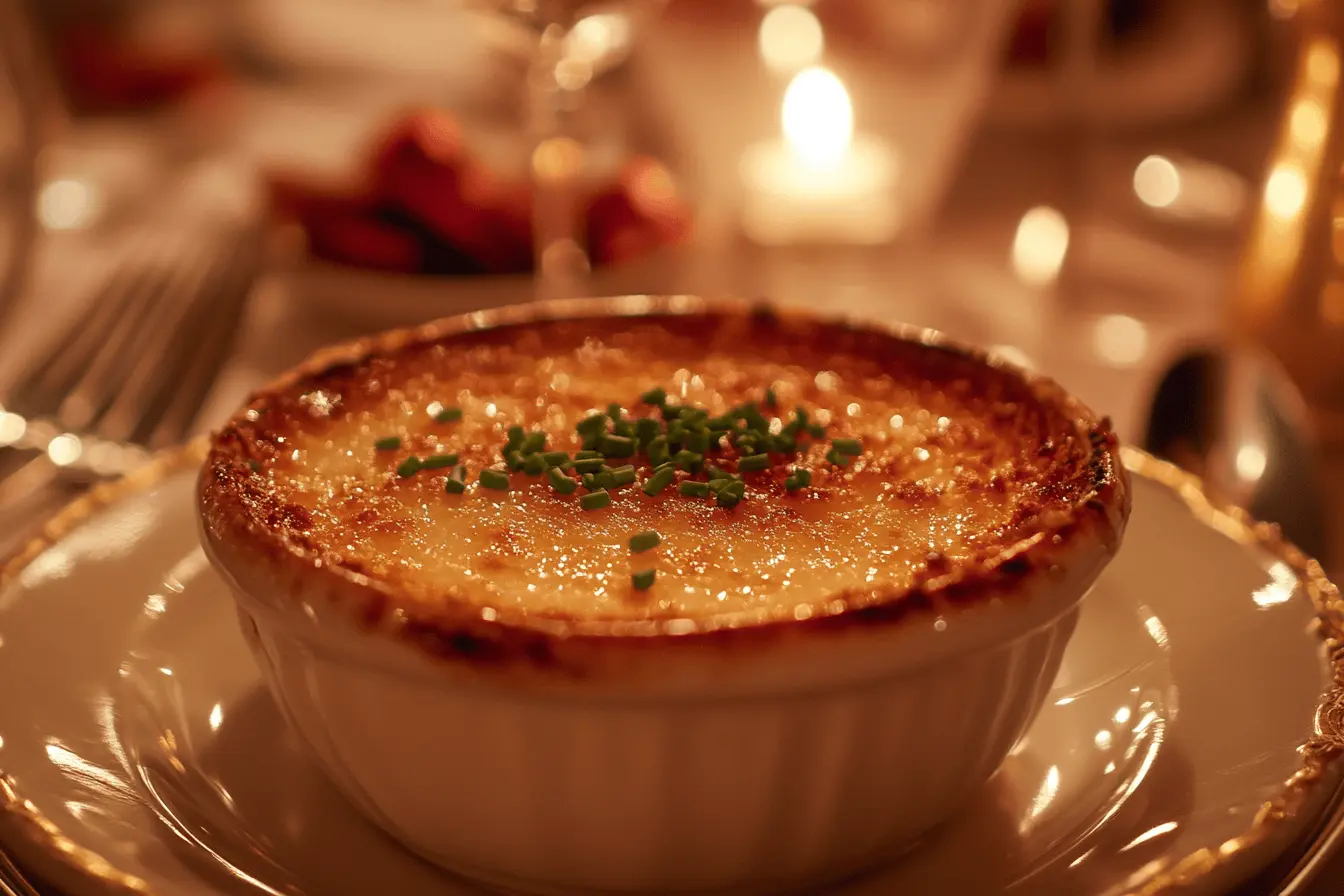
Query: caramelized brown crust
[[1007, 474]]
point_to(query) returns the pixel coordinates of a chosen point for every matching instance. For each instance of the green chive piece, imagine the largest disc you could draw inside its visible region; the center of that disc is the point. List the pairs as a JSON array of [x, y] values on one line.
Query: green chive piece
[[671, 411], [644, 541], [784, 444], [647, 429], [771, 399], [656, 396], [798, 479], [516, 436], [496, 479], [623, 428], [605, 480], [534, 442], [623, 475], [692, 489], [688, 460], [666, 465], [513, 459], [409, 467], [588, 464], [643, 580], [595, 500], [438, 461], [588, 455], [816, 430], [838, 458], [697, 441], [852, 447], [718, 485], [723, 423], [594, 423], [658, 453], [753, 462], [589, 481], [556, 458], [731, 493], [448, 415], [718, 473], [614, 410], [560, 482], [659, 481], [693, 418], [255, 465], [616, 446], [457, 480], [534, 465], [391, 443]]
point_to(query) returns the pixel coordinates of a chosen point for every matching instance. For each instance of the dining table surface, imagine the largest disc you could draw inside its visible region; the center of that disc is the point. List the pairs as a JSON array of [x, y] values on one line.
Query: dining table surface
[[1133, 291]]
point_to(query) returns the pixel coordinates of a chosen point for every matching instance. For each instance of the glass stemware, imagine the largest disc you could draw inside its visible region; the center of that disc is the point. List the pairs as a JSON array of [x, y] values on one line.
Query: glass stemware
[[574, 41]]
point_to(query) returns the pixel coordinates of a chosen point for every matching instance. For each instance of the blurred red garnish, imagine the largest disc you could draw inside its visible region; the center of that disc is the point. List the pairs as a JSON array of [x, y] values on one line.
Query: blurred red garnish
[[104, 71]]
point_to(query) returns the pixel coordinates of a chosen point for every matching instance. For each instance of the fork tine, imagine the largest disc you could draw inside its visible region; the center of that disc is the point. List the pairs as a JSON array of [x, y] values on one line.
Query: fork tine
[[152, 369], [212, 339], [137, 341], [36, 390]]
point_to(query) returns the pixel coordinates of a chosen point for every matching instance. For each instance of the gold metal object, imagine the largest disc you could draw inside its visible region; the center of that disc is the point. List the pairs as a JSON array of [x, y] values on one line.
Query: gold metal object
[[1289, 296]]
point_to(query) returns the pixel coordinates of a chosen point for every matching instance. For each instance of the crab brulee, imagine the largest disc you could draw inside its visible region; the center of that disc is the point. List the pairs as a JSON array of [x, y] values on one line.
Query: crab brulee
[[660, 595]]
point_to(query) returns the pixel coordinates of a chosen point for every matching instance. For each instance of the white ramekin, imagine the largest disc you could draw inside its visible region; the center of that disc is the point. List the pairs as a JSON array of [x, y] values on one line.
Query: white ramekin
[[722, 761]]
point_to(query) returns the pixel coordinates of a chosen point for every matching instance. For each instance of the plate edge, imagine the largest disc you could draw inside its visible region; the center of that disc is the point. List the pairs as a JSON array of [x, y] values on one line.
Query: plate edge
[[1320, 754]]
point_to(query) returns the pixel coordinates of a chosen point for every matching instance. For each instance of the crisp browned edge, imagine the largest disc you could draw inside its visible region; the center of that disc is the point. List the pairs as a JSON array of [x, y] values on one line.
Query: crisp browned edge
[[456, 630], [1320, 754]]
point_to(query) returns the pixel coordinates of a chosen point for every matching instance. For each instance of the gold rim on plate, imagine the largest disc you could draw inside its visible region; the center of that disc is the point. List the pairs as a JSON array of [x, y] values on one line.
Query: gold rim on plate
[[1320, 754]]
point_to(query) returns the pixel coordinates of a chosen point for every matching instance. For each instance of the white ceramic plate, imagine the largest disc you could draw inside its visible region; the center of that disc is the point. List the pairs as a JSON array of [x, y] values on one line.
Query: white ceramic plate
[[141, 754]]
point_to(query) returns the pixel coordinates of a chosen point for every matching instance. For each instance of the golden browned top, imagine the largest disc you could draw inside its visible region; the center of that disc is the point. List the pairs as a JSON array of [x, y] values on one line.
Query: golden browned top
[[959, 459]]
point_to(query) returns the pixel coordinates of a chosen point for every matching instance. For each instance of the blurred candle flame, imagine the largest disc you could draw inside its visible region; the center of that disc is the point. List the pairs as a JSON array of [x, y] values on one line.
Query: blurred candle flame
[[818, 117], [1039, 247]]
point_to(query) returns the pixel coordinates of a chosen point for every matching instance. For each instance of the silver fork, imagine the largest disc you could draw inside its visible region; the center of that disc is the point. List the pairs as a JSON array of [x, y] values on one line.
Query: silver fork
[[128, 376]]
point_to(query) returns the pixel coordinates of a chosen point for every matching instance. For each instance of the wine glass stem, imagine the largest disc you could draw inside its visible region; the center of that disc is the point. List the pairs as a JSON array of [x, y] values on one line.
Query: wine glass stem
[[561, 262]]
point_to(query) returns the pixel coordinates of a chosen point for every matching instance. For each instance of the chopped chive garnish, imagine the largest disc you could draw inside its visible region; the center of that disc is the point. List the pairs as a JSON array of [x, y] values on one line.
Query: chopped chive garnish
[[647, 429], [852, 447], [697, 441], [438, 461], [671, 411], [560, 482], [391, 443], [534, 442], [623, 428], [514, 459], [783, 444], [588, 464], [623, 475], [595, 500], [816, 430], [516, 436], [457, 480], [589, 481], [771, 399], [614, 410], [534, 465], [753, 462], [616, 446], [693, 417], [718, 473], [838, 458], [587, 455], [656, 396], [594, 423], [658, 453], [644, 541], [496, 479], [730, 494], [798, 479], [448, 415], [643, 580], [693, 489], [666, 465], [659, 481], [556, 458], [723, 424], [688, 460], [409, 467], [605, 480], [718, 485]]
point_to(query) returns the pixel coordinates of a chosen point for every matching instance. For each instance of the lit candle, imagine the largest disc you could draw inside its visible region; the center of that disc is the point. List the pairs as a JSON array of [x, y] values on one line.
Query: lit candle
[[820, 183]]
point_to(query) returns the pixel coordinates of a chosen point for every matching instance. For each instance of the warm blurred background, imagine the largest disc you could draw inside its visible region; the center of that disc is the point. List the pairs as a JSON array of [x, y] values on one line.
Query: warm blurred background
[[1096, 188]]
